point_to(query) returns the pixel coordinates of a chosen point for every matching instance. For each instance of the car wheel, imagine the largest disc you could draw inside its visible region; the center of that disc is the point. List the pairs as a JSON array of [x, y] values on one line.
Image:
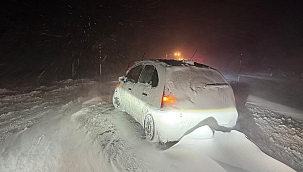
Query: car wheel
[[149, 128]]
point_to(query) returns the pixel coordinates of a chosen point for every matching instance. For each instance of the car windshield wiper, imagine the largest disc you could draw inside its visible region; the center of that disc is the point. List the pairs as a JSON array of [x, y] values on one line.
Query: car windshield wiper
[[216, 85]]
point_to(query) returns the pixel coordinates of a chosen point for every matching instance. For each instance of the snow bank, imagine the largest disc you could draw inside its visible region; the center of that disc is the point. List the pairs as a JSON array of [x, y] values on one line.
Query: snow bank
[[229, 151], [279, 136], [278, 108], [67, 136], [5, 91]]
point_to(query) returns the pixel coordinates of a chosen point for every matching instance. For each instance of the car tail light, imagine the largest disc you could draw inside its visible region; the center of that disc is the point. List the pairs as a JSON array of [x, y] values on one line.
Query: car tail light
[[119, 86], [167, 100]]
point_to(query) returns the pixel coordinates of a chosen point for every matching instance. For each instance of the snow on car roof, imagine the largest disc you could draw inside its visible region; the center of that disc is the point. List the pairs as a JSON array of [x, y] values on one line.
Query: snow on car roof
[[172, 62]]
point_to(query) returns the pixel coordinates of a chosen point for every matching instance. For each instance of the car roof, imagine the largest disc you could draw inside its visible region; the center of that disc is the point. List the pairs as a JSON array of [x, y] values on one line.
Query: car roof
[[182, 63], [172, 62]]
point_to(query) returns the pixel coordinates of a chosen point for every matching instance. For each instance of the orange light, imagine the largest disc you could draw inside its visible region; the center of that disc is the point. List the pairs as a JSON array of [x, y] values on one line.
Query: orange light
[[177, 54], [165, 99], [168, 100], [119, 86]]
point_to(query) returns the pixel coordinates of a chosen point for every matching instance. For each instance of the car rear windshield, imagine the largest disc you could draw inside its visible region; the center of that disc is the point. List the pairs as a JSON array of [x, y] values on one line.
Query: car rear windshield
[[188, 74]]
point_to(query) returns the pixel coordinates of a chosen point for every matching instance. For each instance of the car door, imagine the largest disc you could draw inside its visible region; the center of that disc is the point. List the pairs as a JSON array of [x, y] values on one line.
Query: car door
[[127, 97], [147, 93]]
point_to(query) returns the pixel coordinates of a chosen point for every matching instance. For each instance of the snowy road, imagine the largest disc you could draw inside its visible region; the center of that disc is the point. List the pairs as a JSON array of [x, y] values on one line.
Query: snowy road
[[68, 134]]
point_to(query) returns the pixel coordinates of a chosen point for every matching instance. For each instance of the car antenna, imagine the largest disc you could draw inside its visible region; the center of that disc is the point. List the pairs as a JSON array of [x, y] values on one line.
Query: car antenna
[[193, 56], [143, 56]]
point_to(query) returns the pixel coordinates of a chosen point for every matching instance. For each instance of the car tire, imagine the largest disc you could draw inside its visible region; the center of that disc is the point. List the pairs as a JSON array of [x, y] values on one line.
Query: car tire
[[150, 129]]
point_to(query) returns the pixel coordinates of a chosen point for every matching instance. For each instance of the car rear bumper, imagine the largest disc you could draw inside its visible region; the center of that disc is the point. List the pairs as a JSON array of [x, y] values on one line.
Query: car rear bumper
[[173, 124]]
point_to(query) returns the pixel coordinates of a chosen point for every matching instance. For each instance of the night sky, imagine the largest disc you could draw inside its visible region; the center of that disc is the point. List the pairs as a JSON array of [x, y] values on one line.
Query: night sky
[[40, 40]]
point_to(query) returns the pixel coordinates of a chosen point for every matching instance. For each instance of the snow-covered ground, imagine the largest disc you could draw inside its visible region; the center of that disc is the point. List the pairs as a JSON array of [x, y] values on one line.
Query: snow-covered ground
[[73, 126]]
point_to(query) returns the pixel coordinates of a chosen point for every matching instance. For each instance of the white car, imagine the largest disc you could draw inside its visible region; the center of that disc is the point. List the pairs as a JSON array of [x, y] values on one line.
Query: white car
[[170, 98]]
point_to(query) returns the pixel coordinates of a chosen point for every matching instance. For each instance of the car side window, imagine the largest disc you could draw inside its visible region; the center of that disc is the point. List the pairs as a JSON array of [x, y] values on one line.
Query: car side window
[[149, 76], [146, 74], [134, 73], [155, 78]]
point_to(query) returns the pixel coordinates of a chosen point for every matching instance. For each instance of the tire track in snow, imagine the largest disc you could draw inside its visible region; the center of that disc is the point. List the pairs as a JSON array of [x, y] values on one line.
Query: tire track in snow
[[34, 153], [98, 125]]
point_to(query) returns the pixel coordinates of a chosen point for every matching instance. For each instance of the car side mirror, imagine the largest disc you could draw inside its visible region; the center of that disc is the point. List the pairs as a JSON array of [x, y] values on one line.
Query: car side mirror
[[122, 79]]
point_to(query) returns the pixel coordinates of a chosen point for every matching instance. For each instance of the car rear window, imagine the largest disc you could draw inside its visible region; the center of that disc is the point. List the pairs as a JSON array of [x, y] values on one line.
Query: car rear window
[[181, 74]]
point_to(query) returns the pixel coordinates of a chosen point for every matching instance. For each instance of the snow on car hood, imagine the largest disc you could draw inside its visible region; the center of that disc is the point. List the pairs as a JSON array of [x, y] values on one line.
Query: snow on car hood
[[196, 87]]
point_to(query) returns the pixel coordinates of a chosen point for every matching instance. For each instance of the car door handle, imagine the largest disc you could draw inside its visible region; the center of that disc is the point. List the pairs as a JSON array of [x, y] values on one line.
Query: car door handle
[[129, 89], [144, 94]]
